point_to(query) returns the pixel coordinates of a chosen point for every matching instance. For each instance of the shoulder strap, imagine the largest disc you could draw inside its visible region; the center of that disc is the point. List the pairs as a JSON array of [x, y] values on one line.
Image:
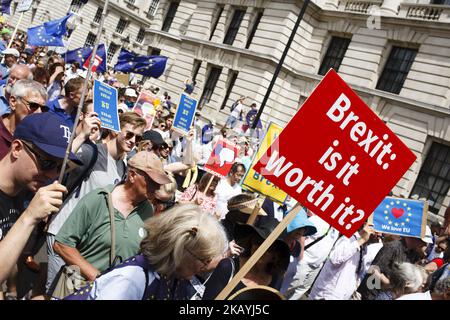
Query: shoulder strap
[[113, 229], [76, 186], [309, 245]]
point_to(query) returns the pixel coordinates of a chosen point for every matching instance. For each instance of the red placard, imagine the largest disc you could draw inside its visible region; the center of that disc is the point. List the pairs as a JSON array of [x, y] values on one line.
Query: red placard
[[97, 62], [222, 158], [336, 157]]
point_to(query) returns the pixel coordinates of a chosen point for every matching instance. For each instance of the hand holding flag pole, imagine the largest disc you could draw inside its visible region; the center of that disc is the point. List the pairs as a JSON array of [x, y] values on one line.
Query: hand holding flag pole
[[84, 93]]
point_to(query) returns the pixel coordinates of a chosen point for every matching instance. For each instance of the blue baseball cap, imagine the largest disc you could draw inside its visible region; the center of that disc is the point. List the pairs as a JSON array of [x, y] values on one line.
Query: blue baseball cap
[[47, 132], [301, 221]]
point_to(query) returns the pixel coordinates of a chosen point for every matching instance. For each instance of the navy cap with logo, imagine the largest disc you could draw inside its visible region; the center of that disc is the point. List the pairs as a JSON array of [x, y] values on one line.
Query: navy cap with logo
[[47, 132]]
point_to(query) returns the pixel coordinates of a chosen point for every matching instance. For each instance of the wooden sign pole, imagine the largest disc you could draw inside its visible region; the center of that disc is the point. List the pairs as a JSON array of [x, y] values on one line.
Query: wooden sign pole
[[252, 218], [209, 184], [259, 252]]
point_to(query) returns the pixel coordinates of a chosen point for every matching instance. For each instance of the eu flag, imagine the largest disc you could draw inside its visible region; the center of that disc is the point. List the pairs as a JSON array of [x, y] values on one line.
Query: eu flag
[[5, 6], [38, 37], [58, 27], [149, 66], [80, 55]]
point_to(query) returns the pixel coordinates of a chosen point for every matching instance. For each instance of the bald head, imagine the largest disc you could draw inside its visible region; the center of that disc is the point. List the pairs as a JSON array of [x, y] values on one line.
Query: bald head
[[18, 72]]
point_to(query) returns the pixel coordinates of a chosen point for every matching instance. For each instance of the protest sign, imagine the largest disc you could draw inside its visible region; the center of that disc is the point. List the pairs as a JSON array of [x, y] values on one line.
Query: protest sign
[[253, 181], [123, 78], [336, 157], [105, 104], [405, 217], [222, 158], [24, 5], [184, 116], [97, 62], [145, 107]]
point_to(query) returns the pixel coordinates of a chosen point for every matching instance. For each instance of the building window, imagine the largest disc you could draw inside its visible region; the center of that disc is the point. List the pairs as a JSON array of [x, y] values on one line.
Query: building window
[[153, 7], [112, 49], [98, 15], [140, 36], [155, 52], [121, 25], [335, 53], [210, 85], [76, 5], [440, 2], [90, 39], [433, 181], [396, 69], [216, 18], [170, 15], [234, 26], [254, 28], [196, 68], [231, 80]]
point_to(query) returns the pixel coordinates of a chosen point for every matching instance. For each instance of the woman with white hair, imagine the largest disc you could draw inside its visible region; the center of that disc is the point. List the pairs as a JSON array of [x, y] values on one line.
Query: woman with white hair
[[180, 243], [407, 282]]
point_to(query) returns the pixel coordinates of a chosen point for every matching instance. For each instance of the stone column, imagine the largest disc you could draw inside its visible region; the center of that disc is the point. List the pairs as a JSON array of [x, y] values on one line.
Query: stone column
[[390, 7]]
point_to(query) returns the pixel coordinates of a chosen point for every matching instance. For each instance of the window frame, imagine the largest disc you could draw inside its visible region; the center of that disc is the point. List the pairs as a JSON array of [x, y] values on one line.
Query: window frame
[[234, 26], [210, 85], [387, 80], [428, 173], [170, 16], [335, 54]]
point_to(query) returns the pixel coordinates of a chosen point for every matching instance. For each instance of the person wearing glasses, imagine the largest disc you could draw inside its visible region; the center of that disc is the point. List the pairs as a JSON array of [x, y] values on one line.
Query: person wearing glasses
[[108, 168], [85, 238], [179, 244], [35, 158], [27, 97], [18, 72]]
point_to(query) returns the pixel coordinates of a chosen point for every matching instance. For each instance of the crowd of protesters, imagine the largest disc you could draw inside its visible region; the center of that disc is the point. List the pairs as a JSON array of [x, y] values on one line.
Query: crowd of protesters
[[138, 217]]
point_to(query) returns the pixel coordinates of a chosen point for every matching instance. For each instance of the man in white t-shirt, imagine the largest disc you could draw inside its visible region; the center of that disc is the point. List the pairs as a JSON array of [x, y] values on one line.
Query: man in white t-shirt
[[228, 188], [236, 110]]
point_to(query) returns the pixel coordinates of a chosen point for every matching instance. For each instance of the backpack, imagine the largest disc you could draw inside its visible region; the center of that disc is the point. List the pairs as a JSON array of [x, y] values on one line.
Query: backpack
[[233, 106]]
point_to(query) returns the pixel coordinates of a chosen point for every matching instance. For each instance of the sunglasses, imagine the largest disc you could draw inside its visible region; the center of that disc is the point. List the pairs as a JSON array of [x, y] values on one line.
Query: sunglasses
[[44, 163], [129, 135], [34, 105], [164, 146]]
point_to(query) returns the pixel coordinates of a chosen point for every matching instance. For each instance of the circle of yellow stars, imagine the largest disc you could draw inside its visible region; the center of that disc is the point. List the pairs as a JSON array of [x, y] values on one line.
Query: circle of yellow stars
[[397, 203]]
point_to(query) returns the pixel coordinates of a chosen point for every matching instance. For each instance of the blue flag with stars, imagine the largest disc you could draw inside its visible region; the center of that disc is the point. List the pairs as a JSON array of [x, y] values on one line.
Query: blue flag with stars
[[58, 27], [5, 6], [149, 66], [80, 55], [400, 216], [38, 37]]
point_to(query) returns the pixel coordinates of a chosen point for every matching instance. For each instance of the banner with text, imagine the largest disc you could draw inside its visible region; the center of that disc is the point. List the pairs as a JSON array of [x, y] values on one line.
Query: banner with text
[[253, 181], [105, 104], [184, 116], [405, 217], [336, 157]]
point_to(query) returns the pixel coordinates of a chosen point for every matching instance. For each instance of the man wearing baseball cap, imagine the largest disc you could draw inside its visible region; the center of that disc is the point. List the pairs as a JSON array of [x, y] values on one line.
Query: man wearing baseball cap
[[36, 154], [85, 238], [11, 56]]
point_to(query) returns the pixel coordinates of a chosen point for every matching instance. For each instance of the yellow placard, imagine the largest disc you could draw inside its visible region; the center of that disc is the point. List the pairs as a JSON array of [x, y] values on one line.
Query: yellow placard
[[253, 181]]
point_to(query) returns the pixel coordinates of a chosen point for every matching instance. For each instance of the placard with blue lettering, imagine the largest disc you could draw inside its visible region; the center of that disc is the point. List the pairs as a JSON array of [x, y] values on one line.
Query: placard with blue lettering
[[184, 116], [400, 216], [105, 104]]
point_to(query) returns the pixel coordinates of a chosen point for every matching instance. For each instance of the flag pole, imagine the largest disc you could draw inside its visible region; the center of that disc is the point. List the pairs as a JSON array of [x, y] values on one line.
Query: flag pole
[[15, 30], [84, 93], [14, 34]]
